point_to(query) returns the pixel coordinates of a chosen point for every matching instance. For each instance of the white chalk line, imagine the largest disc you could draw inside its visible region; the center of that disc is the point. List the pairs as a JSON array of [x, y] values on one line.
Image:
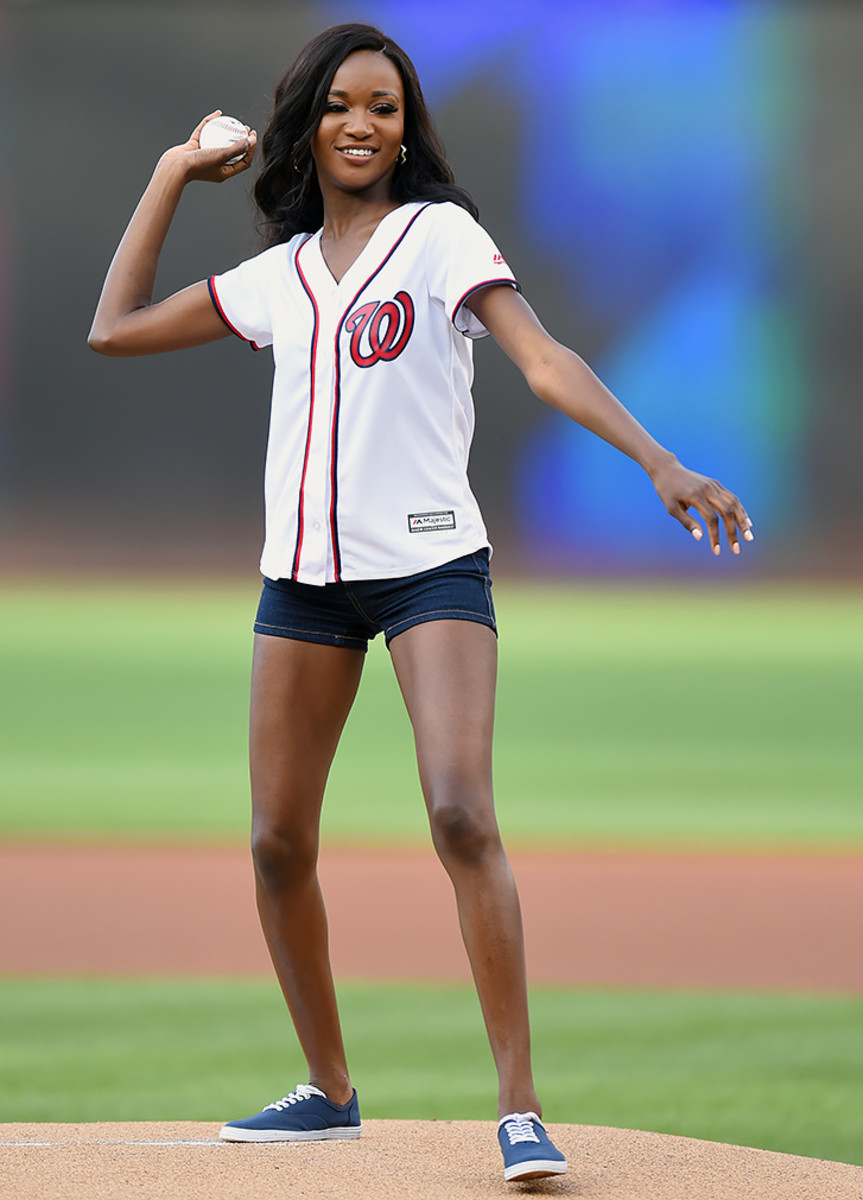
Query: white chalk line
[[215, 1142], [114, 1142]]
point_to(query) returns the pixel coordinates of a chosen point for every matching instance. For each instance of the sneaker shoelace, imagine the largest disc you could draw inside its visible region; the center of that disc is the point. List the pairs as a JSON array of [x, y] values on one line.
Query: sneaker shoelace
[[303, 1091], [520, 1129]]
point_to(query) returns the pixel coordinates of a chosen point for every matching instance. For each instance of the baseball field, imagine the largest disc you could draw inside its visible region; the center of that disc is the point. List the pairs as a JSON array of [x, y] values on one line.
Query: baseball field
[[639, 721]]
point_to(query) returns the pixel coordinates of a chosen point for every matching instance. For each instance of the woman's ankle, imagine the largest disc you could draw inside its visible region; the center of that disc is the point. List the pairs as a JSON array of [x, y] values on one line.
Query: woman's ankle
[[338, 1089]]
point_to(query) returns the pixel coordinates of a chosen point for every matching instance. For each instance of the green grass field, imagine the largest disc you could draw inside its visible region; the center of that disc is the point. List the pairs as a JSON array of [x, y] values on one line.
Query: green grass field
[[777, 1072], [674, 717], [678, 717]]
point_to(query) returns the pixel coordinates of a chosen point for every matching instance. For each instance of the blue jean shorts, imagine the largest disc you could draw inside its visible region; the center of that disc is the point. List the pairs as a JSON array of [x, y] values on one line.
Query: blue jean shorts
[[348, 614]]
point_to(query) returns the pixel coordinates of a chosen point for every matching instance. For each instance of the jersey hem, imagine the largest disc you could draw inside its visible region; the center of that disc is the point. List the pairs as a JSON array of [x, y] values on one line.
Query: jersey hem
[[450, 554], [217, 305], [476, 288]]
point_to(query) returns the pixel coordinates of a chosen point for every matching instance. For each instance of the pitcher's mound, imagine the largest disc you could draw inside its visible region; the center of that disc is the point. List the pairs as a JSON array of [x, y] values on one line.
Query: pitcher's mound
[[448, 1160]]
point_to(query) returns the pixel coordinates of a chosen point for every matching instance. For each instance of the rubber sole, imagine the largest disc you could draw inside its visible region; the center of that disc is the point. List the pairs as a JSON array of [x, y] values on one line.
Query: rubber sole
[[230, 1133], [539, 1168]]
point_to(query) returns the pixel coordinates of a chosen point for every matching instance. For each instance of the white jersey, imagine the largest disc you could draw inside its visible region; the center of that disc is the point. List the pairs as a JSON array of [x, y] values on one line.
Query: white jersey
[[372, 415]]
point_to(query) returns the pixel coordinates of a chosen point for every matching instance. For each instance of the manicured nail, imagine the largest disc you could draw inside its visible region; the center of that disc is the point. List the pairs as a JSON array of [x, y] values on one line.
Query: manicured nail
[[748, 534], [696, 533], [735, 547], [716, 549]]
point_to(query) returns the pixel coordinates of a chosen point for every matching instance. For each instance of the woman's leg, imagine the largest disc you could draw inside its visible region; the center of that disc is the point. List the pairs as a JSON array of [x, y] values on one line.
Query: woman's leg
[[447, 672], [301, 695]]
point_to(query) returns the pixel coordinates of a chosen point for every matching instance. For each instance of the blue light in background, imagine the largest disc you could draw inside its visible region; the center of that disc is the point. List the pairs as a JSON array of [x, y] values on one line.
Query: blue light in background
[[578, 494], [655, 200]]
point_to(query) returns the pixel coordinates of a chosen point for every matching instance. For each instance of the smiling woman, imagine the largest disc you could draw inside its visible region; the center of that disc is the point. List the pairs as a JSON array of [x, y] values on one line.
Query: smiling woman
[[356, 147], [364, 113], [321, 83], [375, 279]]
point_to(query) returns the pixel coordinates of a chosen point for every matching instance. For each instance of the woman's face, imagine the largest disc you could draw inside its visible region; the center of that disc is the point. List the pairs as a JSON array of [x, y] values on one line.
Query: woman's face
[[359, 136]]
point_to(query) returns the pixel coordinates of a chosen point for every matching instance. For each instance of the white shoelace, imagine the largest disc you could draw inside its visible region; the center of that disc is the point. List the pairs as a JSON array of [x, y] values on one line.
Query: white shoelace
[[519, 1127], [303, 1091]]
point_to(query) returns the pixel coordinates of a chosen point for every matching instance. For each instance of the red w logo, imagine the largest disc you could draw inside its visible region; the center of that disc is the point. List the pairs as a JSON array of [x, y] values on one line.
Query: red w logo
[[389, 327]]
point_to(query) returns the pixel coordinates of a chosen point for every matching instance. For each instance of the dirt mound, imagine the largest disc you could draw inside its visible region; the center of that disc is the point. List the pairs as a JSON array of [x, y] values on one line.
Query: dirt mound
[[435, 1160]]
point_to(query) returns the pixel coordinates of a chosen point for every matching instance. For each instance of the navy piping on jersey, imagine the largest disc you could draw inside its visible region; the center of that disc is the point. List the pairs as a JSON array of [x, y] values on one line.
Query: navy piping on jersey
[[334, 436], [476, 287], [334, 528], [312, 362], [217, 305], [334, 433]]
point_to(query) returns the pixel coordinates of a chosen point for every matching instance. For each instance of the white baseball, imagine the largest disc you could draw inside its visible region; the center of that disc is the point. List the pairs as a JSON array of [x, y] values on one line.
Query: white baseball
[[222, 131]]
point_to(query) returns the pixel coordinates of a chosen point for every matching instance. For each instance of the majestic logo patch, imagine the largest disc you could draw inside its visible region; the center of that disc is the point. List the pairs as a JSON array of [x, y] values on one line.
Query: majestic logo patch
[[380, 331], [431, 522]]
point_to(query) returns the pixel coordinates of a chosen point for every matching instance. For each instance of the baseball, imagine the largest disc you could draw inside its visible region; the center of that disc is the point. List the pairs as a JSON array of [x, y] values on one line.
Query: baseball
[[222, 131]]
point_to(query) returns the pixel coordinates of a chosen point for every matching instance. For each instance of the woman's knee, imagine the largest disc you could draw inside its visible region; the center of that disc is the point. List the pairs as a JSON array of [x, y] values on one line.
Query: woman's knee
[[283, 856], [463, 831]]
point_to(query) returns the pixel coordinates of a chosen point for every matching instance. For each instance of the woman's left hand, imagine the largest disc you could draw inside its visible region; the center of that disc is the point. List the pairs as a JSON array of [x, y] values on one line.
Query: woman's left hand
[[680, 489]]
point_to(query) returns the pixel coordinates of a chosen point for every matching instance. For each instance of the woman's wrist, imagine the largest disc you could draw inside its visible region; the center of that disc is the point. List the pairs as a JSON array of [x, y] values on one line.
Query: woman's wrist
[[657, 460], [172, 169]]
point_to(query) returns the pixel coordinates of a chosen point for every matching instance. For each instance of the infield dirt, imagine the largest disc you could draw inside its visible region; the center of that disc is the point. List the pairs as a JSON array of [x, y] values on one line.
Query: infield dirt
[[691, 920]]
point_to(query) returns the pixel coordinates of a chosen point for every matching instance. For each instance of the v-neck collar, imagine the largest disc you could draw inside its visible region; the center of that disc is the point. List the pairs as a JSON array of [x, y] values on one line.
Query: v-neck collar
[[385, 234]]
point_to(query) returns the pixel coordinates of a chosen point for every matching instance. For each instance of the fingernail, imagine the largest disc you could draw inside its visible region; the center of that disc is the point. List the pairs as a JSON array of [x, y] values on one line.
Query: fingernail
[[716, 549], [749, 535], [735, 547], [696, 533]]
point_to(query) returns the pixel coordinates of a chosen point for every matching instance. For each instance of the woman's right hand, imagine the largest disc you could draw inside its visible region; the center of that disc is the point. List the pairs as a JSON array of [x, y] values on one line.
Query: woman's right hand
[[211, 165], [127, 322]]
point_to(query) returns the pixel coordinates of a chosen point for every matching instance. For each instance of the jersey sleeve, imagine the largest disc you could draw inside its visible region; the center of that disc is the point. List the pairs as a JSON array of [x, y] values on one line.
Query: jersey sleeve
[[241, 297], [462, 258]]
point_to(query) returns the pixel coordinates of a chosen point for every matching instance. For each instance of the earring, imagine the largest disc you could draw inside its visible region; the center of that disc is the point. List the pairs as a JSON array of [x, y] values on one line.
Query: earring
[[403, 155]]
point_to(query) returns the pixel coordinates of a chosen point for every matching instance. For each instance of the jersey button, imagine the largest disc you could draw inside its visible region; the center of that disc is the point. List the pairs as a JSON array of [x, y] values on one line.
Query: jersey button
[[317, 524]]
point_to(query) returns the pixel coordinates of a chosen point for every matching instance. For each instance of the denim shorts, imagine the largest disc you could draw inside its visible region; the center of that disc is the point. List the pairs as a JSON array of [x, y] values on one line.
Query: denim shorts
[[348, 614]]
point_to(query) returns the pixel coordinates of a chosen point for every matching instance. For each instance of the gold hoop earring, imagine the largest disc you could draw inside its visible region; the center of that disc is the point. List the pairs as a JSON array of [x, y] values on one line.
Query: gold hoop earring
[[403, 155]]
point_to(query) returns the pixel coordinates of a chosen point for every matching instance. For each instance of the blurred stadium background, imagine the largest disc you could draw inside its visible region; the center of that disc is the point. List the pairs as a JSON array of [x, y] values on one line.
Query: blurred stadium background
[[677, 185]]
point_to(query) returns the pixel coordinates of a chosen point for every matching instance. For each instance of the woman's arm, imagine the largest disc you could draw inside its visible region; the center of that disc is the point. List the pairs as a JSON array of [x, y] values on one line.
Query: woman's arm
[[563, 380], [126, 321]]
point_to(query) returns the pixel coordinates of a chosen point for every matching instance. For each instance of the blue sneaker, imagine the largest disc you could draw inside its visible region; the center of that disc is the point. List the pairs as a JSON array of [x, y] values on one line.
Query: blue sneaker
[[527, 1151], [304, 1115]]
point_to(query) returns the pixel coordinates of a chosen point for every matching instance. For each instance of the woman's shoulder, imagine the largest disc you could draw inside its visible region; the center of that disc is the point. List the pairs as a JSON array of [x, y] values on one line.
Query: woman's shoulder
[[274, 258], [287, 249], [446, 225], [447, 212]]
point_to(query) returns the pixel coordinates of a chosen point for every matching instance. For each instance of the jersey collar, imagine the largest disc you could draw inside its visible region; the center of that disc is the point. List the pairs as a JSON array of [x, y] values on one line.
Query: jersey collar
[[387, 233]]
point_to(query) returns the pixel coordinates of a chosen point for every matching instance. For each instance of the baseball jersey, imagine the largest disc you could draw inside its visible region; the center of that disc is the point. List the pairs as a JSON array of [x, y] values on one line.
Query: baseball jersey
[[372, 415]]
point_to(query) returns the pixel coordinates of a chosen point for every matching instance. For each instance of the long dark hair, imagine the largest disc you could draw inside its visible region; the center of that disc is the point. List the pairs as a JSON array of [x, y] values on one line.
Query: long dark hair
[[287, 191]]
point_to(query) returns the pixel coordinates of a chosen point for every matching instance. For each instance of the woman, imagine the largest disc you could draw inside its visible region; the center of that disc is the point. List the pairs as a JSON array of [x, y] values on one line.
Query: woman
[[371, 524]]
